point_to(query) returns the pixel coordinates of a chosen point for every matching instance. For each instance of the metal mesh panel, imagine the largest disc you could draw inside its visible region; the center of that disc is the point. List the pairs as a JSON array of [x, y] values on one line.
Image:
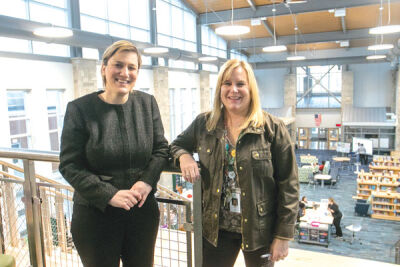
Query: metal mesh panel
[[13, 231], [172, 239], [56, 210]]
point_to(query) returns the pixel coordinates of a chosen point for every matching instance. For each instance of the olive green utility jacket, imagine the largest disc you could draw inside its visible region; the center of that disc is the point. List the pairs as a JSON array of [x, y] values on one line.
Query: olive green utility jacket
[[267, 172]]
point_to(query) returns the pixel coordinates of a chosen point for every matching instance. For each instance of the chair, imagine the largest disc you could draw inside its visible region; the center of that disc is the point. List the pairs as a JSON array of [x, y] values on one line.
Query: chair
[[334, 177], [7, 261], [311, 180], [361, 208], [354, 228]]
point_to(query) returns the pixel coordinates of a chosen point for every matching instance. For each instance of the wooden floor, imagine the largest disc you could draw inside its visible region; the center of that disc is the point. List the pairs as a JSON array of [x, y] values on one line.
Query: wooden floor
[[305, 258]]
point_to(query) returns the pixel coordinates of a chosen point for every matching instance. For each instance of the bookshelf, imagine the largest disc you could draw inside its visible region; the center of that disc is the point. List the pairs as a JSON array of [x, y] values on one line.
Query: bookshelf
[[386, 206]]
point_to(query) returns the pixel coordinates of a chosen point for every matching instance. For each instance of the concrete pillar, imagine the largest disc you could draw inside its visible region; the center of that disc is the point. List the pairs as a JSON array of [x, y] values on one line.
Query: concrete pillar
[[397, 110], [347, 95], [85, 78], [161, 94], [290, 99], [205, 91]]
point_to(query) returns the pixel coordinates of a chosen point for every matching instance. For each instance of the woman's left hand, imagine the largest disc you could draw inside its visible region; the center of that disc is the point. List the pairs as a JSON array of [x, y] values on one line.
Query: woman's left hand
[[143, 189], [279, 249]]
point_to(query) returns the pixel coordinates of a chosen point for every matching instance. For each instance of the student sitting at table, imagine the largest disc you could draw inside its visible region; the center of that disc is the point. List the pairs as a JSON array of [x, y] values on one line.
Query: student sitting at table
[[321, 167]]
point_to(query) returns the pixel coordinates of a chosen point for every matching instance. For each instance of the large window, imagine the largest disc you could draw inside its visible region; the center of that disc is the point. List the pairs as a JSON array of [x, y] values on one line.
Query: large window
[[123, 18], [18, 119], [212, 45], [184, 107], [55, 111], [319, 87], [176, 27], [45, 11]]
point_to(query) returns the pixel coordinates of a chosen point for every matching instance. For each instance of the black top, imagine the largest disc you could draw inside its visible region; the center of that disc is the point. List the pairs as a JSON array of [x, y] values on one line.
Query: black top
[[108, 147], [336, 212]]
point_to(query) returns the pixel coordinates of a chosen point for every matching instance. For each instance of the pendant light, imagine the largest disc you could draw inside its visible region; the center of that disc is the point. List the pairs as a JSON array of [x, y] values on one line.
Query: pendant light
[[376, 57], [229, 30], [385, 29], [53, 32], [155, 49], [275, 47], [295, 57], [380, 46]]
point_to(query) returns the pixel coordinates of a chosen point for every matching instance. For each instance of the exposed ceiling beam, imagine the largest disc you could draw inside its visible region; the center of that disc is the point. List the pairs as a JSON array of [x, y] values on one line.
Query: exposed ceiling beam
[[252, 5], [305, 38], [343, 20], [311, 62], [281, 10], [23, 29], [314, 54], [266, 25]]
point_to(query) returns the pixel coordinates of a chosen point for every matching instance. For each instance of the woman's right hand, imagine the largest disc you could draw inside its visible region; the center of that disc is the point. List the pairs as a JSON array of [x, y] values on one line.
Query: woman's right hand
[[125, 199], [190, 170]]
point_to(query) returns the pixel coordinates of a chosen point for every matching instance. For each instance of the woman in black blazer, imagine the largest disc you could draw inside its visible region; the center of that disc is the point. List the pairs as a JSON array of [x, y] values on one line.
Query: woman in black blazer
[[333, 207], [112, 153]]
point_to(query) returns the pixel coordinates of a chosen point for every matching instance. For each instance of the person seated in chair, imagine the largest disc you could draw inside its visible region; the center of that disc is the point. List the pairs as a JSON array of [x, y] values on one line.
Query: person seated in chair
[[302, 211], [321, 167]]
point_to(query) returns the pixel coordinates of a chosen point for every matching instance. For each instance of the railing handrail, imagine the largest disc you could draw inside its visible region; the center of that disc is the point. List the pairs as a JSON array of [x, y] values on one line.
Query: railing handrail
[[37, 155]]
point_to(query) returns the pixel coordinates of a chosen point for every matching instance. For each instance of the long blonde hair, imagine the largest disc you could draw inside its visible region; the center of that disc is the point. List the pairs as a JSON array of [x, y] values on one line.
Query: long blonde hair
[[255, 116]]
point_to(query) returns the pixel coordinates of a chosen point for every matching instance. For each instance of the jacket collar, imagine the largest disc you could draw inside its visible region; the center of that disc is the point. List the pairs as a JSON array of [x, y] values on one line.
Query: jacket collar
[[220, 128]]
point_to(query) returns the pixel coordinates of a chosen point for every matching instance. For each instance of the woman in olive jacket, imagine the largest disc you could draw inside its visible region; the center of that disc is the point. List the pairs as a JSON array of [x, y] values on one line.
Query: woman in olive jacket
[[248, 173], [112, 153]]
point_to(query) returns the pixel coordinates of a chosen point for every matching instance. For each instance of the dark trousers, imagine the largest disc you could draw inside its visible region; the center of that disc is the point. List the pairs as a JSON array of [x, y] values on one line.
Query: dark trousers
[[364, 159], [225, 254], [102, 239], [336, 223]]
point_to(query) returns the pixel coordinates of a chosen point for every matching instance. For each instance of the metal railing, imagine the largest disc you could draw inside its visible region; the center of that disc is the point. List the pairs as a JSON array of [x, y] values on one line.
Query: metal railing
[[36, 212]]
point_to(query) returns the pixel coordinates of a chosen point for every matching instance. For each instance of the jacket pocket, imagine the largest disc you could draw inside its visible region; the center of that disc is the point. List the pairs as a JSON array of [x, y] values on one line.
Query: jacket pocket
[[205, 153], [264, 216], [261, 163]]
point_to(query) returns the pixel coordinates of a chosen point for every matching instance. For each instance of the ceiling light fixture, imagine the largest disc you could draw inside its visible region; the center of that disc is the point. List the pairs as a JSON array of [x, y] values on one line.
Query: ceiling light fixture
[[274, 48], [295, 57], [232, 29], [155, 50], [375, 57], [380, 47], [53, 32], [385, 29], [207, 58]]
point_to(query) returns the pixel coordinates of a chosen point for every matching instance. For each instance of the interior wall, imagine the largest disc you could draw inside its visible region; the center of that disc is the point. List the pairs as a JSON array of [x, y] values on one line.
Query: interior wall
[[271, 86], [373, 85], [329, 118]]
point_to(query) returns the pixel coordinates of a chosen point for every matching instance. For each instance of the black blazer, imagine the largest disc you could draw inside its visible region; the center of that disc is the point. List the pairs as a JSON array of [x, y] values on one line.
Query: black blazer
[[107, 147]]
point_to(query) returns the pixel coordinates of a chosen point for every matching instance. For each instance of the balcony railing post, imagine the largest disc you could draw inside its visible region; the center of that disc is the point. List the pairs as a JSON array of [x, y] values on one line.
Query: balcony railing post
[[62, 234], [48, 235], [33, 216], [197, 226]]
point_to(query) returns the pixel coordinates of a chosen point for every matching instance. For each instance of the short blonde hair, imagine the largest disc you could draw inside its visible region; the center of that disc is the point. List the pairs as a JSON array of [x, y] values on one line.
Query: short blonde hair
[[121, 45], [255, 116]]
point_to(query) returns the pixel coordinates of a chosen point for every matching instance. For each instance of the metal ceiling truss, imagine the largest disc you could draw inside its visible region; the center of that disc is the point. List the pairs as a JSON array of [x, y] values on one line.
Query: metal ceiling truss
[[320, 37], [282, 10]]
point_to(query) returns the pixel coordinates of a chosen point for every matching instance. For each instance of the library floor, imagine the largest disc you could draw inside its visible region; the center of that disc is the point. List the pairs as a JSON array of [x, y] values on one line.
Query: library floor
[[373, 246]]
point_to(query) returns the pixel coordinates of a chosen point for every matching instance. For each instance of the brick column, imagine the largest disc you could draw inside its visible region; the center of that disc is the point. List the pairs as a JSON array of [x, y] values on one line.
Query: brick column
[[290, 99], [85, 76], [205, 91]]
